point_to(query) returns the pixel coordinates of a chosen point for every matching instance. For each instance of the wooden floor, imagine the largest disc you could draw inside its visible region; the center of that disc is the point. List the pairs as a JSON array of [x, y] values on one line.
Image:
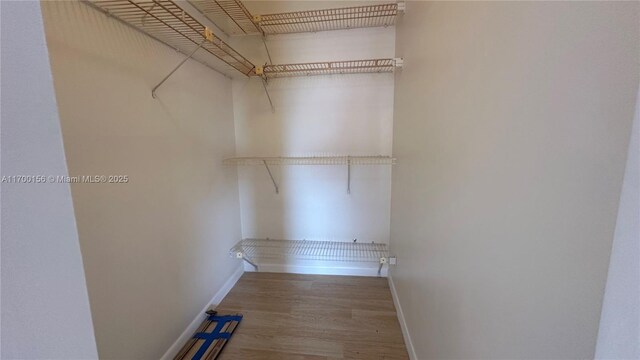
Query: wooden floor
[[315, 317]]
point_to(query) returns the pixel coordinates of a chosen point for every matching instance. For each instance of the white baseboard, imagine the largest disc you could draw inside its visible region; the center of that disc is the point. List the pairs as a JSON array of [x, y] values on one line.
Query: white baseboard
[[318, 270], [401, 319], [193, 326]]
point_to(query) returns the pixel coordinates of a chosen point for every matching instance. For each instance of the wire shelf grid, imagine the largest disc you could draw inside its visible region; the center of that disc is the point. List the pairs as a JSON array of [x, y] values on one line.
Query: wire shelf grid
[[168, 23], [312, 160], [329, 19], [330, 67], [311, 250], [229, 15]]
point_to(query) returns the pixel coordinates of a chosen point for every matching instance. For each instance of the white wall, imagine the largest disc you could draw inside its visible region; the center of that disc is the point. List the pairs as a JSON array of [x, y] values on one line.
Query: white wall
[[315, 116], [619, 332], [511, 128], [45, 307], [155, 249]]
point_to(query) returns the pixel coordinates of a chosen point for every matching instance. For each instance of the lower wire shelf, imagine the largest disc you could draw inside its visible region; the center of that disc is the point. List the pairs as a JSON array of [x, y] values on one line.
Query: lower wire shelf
[[252, 250]]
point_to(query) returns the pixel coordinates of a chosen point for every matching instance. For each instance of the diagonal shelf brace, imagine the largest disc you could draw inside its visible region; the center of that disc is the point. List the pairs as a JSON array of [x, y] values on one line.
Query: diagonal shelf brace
[[264, 41], [241, 255], [208, 36], [153, 91], [271, 176], [266, 91]]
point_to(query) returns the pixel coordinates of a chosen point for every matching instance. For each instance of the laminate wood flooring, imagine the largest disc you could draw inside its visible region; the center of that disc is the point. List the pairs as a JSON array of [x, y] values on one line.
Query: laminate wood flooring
[[315, 317]]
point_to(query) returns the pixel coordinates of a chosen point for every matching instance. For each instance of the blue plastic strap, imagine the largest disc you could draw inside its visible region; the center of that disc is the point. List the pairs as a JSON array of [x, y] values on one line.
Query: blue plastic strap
[[206, 336], [209, 338]]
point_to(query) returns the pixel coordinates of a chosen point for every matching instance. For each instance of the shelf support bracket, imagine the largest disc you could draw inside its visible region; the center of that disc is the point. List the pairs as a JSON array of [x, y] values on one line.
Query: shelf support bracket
[[348, 175], [383, 261], [402, 7], [271, 176], [153, 92], [241, 255]]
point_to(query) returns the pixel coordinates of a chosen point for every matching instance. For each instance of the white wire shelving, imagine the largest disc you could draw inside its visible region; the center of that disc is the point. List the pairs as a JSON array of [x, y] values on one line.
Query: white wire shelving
[[329, 19], [268, 72], [312, 160], [166, 22], [329, 68], [255, 250], [235, 19], [231, 16]]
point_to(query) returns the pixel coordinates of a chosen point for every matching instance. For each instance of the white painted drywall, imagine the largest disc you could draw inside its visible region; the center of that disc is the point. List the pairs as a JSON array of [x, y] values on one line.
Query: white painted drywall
[[315, 116], [156, 248], [511, 127], [619, 334], [45, 307]]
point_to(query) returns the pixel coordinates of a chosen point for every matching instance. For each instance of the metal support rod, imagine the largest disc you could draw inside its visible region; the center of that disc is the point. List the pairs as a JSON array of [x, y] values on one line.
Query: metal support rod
[[250, 262], [380, 269], [153, 92], [348, 175], [264, 84], [264, 41], [271, 176]]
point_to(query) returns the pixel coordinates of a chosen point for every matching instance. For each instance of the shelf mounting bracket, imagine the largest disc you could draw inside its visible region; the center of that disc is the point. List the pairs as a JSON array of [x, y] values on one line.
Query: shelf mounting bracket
[[402, 7], [383, 260], [271, 176], [241, 255]]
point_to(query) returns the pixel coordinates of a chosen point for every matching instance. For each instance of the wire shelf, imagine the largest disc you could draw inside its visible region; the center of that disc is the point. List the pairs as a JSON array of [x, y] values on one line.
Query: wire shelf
[[229, 15], [312, 160], [168, 23], [329, 67], [329, 19], [311, 250]]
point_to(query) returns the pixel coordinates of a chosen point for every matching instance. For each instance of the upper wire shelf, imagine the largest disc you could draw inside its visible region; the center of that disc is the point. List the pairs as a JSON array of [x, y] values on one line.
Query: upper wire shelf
[[329, 19], [231, 16], [329, 67], [234, 18], [312, 160], [168, 23]]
